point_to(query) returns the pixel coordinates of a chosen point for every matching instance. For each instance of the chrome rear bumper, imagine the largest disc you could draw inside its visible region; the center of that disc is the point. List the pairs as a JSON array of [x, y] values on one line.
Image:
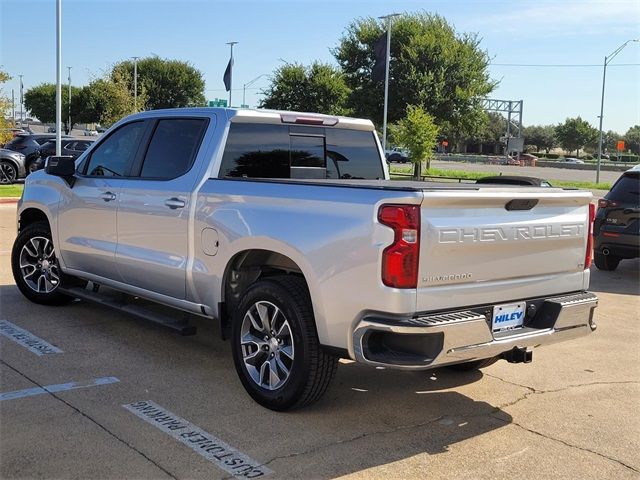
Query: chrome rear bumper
[[434, 340]]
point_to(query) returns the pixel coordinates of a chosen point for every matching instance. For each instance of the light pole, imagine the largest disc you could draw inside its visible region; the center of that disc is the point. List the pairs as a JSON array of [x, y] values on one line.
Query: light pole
[[248, 84], [231, 44], [21, 99], [69, 112], [135, 83], [607, 59], [388, 18], [58, 77]]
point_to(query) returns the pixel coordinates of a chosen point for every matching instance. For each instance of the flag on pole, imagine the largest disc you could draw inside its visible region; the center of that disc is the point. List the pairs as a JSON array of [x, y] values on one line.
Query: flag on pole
[[380, 51], [227, 75]]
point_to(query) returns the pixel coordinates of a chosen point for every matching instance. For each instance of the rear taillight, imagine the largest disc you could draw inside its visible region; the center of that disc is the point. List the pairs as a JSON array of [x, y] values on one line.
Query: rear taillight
[[588, 256], [400, 259], [604, 203]]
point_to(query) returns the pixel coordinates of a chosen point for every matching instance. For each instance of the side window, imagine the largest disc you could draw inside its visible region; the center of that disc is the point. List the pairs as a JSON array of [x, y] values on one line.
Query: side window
[[81, 146], [114, 156], [255, 150], [173, 148], [352, 154], [307, 156], [69, 145]]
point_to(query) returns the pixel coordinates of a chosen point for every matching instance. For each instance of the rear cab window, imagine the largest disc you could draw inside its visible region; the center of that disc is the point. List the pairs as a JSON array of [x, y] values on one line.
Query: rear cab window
[[294, 151]]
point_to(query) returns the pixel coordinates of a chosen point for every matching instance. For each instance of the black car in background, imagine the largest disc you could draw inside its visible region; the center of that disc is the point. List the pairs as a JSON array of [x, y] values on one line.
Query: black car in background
[[30, 143], [70, 147], [514, 180], [616, 229]]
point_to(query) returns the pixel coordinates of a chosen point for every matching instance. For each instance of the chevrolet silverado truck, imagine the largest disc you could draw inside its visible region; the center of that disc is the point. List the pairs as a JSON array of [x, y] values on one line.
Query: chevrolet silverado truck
[[285, 228]]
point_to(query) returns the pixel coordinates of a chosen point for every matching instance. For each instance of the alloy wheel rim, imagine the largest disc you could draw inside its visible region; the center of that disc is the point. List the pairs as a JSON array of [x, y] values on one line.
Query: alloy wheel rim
[[267, 345], [39, 265], [7, 173]]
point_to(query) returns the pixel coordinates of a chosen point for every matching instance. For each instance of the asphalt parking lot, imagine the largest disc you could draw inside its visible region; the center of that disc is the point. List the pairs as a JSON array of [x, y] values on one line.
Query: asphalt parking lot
[[572, 413]]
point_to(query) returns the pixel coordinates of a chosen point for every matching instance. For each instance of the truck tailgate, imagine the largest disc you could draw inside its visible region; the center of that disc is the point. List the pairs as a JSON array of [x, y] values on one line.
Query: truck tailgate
[[501, 244]]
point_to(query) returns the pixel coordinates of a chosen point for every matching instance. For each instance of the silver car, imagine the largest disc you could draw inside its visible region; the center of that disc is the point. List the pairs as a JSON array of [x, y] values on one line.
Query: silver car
[[11, 166]]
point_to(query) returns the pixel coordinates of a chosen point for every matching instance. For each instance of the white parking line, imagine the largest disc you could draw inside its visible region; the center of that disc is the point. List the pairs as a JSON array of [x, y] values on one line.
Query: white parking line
[[27, 339], [209, 446], [60, 387]]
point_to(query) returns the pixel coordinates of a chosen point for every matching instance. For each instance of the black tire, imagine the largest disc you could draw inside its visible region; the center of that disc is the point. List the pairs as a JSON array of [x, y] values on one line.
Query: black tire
[[40, 230], [473, 365], [8, 173], [311, 369], [606, 262], [32, 167]]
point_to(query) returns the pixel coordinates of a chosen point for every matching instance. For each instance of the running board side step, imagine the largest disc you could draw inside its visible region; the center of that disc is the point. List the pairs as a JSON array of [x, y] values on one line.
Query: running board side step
[[178, 326]]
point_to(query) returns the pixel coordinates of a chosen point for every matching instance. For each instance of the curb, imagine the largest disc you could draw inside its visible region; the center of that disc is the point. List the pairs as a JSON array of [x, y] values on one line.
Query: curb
[[8, 200]]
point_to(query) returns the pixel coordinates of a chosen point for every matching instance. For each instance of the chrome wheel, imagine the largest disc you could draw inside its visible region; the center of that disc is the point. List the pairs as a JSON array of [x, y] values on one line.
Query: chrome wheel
[[39, 266], [267, 345]]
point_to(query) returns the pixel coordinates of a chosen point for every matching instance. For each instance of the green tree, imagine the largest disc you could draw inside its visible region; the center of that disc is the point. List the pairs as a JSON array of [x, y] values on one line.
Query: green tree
[[432, 66], [542, 136], [167, 83], [418, 133], [5, 104], [105, 100], [41, 101], [632, 139], [317, 88], [575, 133]]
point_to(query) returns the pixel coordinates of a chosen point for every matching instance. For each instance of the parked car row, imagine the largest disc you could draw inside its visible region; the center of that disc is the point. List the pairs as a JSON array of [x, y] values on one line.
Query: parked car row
[[26, 153]]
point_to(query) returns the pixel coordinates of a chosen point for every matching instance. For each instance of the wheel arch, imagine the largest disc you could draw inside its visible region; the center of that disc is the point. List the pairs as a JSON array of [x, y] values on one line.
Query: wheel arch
[[251, 264], [31, 215]]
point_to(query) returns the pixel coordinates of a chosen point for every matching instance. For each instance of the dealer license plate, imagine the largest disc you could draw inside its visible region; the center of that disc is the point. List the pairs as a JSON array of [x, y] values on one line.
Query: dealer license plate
[[508, 316]]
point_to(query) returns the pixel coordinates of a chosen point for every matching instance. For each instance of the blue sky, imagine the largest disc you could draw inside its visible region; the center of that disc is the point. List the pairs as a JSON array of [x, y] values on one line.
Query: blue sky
[[98, 33]]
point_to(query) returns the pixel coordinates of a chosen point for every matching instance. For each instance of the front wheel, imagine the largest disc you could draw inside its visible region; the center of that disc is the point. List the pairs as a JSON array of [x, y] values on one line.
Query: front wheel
[[275, 345], [8, 173], [35, 266]]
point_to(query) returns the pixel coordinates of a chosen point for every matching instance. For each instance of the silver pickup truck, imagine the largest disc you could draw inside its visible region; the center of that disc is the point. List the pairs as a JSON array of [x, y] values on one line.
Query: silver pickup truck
[[285, 228]]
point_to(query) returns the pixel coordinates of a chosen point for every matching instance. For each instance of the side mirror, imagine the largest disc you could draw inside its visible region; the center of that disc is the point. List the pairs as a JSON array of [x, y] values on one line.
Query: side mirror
[[64, 167]]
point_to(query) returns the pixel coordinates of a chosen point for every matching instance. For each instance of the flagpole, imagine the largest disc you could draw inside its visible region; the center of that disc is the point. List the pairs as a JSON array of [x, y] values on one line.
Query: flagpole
[[388, 18], [231, 44]]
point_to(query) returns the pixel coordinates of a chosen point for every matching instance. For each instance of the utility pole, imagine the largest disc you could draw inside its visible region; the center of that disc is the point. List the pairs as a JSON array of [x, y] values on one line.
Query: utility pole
[[389, 19], [69, 116], [13, 107], [604, 76], [21, 99], [231, 44], [135, 83], [58, 77]]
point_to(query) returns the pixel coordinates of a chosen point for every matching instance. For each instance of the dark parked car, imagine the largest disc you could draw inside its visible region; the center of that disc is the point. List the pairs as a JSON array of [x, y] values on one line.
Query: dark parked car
[[70, 147], [616, 229], [27, 144], [514, 180]]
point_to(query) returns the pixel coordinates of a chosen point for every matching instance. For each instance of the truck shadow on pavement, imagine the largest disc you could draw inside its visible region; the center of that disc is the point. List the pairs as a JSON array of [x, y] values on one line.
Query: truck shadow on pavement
[[625, 280], [368, 418]]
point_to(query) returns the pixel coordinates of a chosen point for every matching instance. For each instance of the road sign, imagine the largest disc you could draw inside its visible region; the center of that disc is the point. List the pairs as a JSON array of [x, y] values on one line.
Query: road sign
[[218, 102], [620, 145]]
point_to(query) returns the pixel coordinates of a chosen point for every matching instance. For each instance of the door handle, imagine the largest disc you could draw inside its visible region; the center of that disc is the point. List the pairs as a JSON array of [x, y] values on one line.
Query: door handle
[[174, 203], [108, 196]]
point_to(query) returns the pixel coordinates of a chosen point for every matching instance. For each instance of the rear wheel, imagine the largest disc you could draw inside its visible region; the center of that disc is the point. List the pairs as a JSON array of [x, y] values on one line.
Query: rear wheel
[[8, 173], [606, 262], [35, 267], [474, 365], [275, 345]]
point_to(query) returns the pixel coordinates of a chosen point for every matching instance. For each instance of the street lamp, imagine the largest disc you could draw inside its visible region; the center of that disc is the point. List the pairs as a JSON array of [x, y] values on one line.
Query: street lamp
[[607, 59], [248, 84], [69, 100], [135, 83]]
